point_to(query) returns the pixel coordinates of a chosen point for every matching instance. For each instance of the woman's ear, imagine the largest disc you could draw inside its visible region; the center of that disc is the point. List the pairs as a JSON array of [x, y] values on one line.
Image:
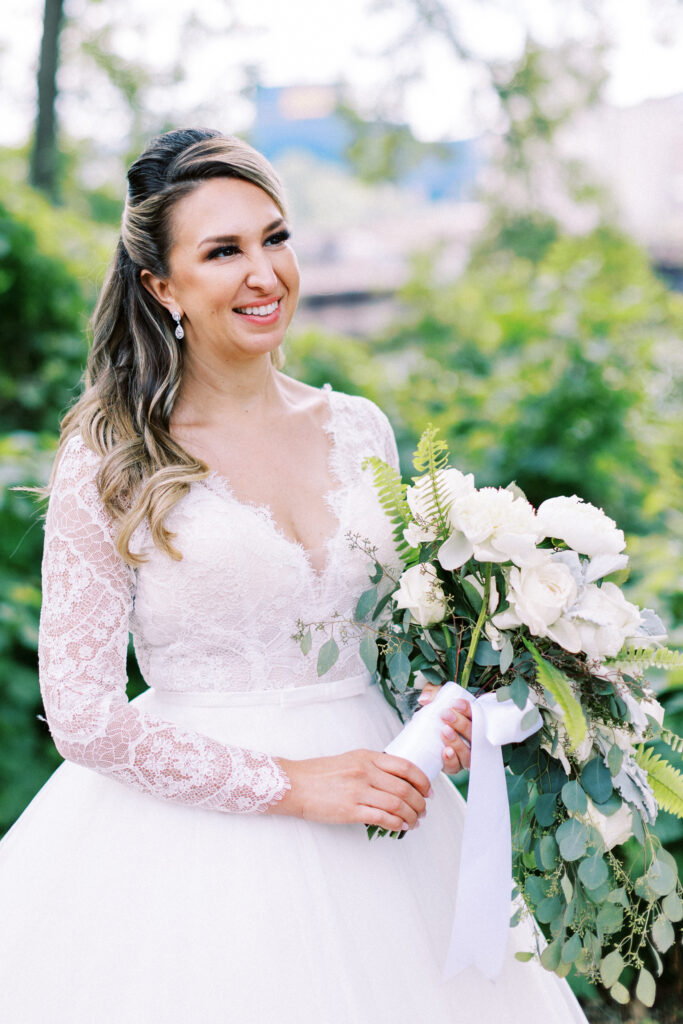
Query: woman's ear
[[159, 288]]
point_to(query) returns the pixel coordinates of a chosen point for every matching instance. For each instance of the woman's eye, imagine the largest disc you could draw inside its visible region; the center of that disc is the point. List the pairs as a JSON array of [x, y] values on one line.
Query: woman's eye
[[278, 238], [223, 250]]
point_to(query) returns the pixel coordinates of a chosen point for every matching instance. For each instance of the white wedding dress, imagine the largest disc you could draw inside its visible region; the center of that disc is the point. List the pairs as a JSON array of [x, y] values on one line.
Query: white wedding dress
[[144, 884]]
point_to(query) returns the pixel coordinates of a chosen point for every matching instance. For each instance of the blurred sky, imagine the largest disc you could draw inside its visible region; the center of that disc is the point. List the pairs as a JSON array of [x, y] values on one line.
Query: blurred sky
[[320, 41]]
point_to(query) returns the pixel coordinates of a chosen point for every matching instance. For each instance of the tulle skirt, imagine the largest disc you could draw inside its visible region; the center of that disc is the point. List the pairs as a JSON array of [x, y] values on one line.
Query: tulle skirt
[[120, 908]]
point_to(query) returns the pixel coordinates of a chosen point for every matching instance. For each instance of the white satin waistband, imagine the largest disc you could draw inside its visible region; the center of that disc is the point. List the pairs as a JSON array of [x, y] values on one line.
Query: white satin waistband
[[290, 696]]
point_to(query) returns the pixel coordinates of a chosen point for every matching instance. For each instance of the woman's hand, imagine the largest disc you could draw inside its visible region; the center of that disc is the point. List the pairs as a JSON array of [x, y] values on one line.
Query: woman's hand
[[456, 732], [360, 787]]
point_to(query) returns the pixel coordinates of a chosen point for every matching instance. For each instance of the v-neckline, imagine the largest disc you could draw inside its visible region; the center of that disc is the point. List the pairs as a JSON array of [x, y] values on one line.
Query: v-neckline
[[264, 511]]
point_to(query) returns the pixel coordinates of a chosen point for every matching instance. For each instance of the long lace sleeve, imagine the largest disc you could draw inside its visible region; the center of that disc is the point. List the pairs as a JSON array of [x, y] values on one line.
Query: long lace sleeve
[[88, 593]]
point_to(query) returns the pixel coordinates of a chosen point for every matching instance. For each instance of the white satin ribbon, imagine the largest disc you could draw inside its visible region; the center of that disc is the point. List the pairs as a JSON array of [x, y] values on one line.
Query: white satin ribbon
[[482, 912]]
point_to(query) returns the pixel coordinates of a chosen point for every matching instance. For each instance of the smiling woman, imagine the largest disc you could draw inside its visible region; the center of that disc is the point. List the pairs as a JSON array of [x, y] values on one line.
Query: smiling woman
[[201, 854]]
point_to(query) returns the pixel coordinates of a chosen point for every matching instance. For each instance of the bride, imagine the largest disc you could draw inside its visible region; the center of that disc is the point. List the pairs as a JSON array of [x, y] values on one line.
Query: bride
[[201, 855]]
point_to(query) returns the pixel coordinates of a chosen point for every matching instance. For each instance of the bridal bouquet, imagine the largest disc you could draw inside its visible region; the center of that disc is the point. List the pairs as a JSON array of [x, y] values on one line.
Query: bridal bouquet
[[520, 611]]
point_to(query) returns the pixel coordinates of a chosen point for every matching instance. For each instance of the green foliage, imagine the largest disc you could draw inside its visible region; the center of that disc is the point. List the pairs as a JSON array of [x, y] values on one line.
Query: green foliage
[[559, 687], [391, 492], [42, 317], [665, 780]]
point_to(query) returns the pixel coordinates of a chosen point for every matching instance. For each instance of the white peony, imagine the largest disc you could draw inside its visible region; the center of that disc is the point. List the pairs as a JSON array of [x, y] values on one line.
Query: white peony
[[539, 596], [605, 620], [581, 525], [614, 828], [450, 484], [421, 592], [492, 525]]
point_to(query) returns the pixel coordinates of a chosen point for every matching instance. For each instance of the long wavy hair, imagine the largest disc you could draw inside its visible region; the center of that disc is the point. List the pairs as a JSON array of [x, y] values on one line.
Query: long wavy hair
[[134, 369]]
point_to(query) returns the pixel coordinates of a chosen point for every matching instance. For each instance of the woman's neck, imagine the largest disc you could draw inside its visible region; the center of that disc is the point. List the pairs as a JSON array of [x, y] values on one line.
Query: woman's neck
[[207, 398]]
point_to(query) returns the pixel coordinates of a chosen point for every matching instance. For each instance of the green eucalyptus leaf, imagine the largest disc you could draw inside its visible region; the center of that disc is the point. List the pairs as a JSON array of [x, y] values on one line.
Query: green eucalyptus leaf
[[574, 798], [572, 838], [519, 691], [427, 649], [661, 877], [619, 896], [369, 652], [549, 908], [506, 656], [366, 602], [611, 967], [620, 994], [485, 654], [615, 758], [531, 718], [610, 918], [637, 827], [593, 871], [596, 780], [306, 642], [571, 949], [663, 933], [524, 957], [646, 988], [328, 654], [551, 956], [546, 852], [672, 905], [399, 670], [545, 808], [376, 576], [517, 787]]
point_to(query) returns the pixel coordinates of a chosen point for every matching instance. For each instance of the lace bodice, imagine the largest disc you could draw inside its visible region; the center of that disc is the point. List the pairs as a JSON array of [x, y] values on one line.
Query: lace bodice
[[222, 618]]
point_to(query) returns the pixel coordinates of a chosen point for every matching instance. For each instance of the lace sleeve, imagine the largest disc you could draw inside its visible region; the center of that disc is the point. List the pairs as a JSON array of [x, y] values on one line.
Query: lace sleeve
[[87, 599]]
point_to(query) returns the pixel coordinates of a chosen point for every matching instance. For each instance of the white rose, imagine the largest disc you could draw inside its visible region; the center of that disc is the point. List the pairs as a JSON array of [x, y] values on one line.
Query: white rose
[[605, 619], [494, 526], [538, 596], [421, 592], [614, 828], [580, 525], [450, 484]]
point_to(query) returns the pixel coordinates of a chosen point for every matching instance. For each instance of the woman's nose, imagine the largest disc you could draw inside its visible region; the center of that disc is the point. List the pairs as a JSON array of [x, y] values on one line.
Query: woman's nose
[[261, 272]]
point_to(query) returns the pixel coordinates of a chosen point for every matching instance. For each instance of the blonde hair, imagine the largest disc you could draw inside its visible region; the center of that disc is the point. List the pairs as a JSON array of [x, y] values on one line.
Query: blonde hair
[[134, 369]]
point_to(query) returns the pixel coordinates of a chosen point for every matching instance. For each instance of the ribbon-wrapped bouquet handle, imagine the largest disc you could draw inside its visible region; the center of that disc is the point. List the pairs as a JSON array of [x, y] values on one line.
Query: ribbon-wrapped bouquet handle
[[482, 912]]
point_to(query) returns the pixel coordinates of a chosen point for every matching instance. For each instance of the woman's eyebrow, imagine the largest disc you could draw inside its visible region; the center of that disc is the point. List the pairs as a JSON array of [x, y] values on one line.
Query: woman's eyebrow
[[235, 238]]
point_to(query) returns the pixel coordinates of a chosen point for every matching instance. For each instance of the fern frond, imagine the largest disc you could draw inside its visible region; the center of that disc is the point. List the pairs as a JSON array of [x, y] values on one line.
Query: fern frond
[[674, 741], [557, 684], [648, 657], [392, 495], [665, 781], [431, 456]]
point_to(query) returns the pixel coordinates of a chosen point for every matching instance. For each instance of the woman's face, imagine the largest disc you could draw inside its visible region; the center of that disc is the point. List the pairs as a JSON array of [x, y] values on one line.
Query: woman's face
[[233, 274]]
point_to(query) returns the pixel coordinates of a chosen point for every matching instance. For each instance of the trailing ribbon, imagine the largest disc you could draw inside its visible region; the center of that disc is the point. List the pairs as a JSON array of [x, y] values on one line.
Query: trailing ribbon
[[482, 911]]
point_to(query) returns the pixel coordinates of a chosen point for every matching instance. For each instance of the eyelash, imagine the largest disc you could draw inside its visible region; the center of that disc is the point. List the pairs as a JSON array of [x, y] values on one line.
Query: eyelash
[[279, 238]]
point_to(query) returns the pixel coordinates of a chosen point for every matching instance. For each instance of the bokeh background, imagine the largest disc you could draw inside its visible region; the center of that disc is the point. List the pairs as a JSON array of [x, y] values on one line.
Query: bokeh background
[[487, 200]]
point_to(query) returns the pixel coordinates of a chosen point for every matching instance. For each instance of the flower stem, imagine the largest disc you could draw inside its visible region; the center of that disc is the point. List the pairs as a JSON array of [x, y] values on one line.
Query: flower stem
[[478, 627]]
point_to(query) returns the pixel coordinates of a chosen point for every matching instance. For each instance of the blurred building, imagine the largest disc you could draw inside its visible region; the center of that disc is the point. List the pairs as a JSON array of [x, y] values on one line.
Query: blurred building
[[356, 243], [637, 152]]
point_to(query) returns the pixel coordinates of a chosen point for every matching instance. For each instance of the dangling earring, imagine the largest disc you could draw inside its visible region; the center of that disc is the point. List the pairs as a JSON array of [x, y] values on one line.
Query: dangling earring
[[179, 332]]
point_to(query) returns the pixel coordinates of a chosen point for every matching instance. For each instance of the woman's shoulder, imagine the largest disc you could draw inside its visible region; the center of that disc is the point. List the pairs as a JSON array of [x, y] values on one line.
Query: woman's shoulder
[[77, 461], [359, 408]]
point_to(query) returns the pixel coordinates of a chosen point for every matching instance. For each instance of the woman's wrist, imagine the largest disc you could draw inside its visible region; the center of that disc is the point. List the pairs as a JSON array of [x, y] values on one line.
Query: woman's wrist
[[289, 802]]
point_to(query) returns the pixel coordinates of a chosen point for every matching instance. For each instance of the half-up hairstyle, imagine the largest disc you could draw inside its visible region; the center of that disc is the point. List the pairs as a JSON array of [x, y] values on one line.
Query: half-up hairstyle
[[134, 368]]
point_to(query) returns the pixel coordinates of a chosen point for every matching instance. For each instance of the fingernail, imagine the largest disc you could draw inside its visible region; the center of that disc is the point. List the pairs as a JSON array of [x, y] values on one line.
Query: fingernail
[[406, 826], [461, 705], [431, 791], [417, 824], [448, 716], [449, 752], [448, 733], [424, 698]]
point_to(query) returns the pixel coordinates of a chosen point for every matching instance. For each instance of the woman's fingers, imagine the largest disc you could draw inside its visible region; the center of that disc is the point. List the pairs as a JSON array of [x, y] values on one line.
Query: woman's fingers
[[404, 769]]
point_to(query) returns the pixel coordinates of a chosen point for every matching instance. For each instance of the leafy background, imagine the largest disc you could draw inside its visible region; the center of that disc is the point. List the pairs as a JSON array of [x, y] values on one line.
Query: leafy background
[[553, 359]]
